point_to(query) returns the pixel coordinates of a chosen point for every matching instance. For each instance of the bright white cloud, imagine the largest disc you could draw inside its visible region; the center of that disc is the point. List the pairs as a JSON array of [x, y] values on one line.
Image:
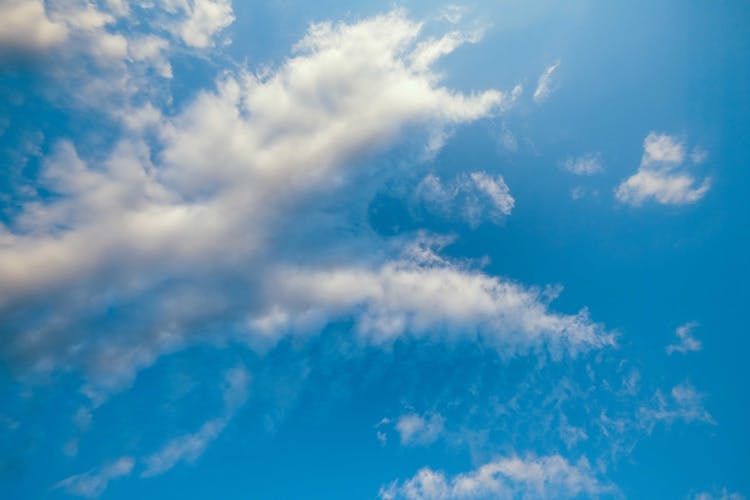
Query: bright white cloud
[[544, 86], [91, 484], [659, 176], [588, 164], [416, 429], [687, 342], [509, 477], [208, 224], [472, 197]]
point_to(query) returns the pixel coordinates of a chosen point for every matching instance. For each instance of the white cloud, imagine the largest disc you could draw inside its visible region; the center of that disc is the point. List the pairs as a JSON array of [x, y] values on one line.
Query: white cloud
[[201, 20], [544, 85], [415, 429], [509, 477], [189, 447], [472, 197], [684, 403], [588, 164], [91, 484], [208, 224], [658, 176], [687, 342], [25, 25]]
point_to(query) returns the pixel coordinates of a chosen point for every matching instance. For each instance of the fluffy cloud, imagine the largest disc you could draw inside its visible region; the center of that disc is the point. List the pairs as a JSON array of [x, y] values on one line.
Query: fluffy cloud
[[544, 85], [472, 197], [509, 477], [148, 249], [687, 342], [25, 26], [198, 21], [660, 177], [91, 484]]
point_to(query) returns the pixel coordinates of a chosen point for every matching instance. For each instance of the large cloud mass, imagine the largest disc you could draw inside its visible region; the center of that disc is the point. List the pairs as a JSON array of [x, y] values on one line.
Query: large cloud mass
[[220, 222]]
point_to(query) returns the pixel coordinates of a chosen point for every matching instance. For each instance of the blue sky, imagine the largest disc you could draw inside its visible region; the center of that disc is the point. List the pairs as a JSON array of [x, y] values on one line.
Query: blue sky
[[370, 250]]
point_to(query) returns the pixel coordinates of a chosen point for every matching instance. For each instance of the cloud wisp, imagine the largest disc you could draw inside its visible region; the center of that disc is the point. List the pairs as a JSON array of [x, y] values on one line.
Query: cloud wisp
[[93, 483], [544, 86], [473, 198], [686, 340]]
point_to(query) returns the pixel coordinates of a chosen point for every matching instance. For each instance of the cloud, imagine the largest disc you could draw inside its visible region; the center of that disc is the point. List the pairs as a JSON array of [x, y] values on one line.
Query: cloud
[[687, 343], [189, 447], [153, 247], [658, 176], [91, 484], [684, 403], [588, 164], [544, 85], [25, 26], [718, 494], [508, 477], [473, 197], [415, 429], [199, 20]]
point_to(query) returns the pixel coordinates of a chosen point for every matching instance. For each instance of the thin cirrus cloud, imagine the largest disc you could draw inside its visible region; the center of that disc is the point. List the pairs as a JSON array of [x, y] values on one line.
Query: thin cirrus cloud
[[661, 175], [686, 340], [189, 447], [545, 84], [184, 448], [239, 178], [93, 483], [550, 476], [473, 198], [684, 403]]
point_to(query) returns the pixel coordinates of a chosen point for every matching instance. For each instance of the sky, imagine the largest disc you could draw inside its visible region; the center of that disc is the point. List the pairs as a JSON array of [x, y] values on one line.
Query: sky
[[415, 250]]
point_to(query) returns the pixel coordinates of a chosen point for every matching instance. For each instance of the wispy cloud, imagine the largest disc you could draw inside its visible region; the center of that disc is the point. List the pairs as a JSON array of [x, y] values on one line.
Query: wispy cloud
[[91, 484], [718, 494], [683, 403], [473, 197], [686, 341], [189, 447], [544, 86]]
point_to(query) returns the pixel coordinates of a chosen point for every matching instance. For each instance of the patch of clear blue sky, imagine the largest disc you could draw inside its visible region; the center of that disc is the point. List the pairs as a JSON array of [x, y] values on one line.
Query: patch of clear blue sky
[[626, 69]]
